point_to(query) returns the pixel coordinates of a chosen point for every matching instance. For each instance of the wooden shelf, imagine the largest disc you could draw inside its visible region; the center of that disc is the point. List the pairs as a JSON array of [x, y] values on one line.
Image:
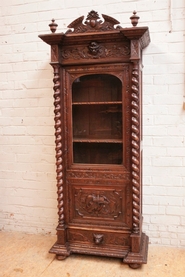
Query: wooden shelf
[[98, 103], [90, 140]]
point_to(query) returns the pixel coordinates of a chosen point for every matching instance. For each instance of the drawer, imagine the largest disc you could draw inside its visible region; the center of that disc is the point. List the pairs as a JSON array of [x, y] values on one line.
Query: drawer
[[99, 237]]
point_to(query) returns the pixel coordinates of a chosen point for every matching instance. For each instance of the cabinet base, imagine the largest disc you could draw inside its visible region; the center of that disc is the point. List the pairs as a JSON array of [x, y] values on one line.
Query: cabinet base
[[135, 260], [61, 251]]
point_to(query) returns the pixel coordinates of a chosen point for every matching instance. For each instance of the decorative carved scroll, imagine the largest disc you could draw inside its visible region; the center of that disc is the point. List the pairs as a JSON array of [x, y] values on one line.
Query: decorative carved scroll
[[135, 50], [93, 23], [58, 142], [135, 148], [93, 175]]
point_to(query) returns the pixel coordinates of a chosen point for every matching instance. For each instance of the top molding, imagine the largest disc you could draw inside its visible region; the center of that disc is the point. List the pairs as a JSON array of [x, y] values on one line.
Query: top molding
[[93, 27]]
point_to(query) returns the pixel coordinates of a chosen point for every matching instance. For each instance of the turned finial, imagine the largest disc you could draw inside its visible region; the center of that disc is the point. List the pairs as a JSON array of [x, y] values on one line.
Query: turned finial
[[134, 19], [53, 26]]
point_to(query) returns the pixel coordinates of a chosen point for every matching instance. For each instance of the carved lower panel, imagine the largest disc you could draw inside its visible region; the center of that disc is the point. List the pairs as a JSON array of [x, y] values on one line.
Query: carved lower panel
[[104, 206], [103, 203]]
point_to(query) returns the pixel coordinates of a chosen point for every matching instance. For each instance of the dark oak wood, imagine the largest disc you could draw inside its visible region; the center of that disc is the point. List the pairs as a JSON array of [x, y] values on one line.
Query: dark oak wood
[[98, 130]]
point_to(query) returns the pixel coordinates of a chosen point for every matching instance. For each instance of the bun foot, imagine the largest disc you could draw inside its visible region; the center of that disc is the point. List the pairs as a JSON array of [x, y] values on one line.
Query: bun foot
[[134, 266], [61, 257]]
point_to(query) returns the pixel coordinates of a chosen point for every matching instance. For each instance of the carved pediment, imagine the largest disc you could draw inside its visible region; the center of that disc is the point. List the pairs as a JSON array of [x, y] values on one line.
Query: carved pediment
[[93, 23]]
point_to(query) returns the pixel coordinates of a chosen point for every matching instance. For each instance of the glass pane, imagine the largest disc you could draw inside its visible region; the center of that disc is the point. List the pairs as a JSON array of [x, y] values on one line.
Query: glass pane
[[97, 87], [97, 119], [97, 153]]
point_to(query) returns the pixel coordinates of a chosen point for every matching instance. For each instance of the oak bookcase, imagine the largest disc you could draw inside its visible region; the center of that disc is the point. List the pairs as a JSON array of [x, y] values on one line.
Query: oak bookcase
[[97, 68]]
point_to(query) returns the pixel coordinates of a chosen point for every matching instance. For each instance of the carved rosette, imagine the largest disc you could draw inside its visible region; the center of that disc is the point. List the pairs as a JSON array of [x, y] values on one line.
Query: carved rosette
[[135, 140], [58, 142]]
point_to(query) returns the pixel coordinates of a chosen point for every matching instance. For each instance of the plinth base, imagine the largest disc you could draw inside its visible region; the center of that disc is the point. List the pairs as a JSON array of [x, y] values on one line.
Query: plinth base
[[135, 260], [61, 251]]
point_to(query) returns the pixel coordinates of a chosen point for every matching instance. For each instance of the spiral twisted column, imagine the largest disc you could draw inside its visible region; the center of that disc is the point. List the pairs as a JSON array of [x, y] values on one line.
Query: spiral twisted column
[[135, 141], [58, 143]]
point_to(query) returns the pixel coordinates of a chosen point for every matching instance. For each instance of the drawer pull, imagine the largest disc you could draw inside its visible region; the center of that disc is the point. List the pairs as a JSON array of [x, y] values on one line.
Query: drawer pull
[[98, 238]]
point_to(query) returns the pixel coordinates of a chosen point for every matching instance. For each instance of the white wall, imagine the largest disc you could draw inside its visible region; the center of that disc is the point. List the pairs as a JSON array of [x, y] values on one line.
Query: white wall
[[27, 163]]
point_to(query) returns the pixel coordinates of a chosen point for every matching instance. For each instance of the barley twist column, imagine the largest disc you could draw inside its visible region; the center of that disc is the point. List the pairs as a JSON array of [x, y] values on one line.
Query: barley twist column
[[58, 142], [135, 148]]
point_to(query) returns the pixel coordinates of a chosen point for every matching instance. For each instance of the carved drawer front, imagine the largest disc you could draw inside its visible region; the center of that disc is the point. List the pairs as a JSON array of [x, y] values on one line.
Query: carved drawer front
[[101, 206], [95, 238], [93, 50]]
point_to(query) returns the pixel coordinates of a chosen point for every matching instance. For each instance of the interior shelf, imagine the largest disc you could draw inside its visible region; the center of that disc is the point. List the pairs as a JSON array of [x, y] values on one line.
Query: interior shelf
[[97, 103], [92, 140], [97, 153]]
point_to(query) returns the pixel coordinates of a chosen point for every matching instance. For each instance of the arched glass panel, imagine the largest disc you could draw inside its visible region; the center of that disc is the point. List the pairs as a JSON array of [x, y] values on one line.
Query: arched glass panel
[[97, 119]]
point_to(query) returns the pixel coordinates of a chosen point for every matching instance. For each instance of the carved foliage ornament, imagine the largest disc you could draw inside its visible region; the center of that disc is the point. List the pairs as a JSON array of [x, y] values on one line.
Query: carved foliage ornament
[[93, 23], [102, 175], [54, 53], [135, 49]]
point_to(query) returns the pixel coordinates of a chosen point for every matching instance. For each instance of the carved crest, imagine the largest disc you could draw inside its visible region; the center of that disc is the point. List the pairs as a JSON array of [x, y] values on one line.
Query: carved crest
[[93, 23]]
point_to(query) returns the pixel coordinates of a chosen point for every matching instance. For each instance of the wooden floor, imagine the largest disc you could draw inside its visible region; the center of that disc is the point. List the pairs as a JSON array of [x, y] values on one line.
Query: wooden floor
[[27, 255]]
